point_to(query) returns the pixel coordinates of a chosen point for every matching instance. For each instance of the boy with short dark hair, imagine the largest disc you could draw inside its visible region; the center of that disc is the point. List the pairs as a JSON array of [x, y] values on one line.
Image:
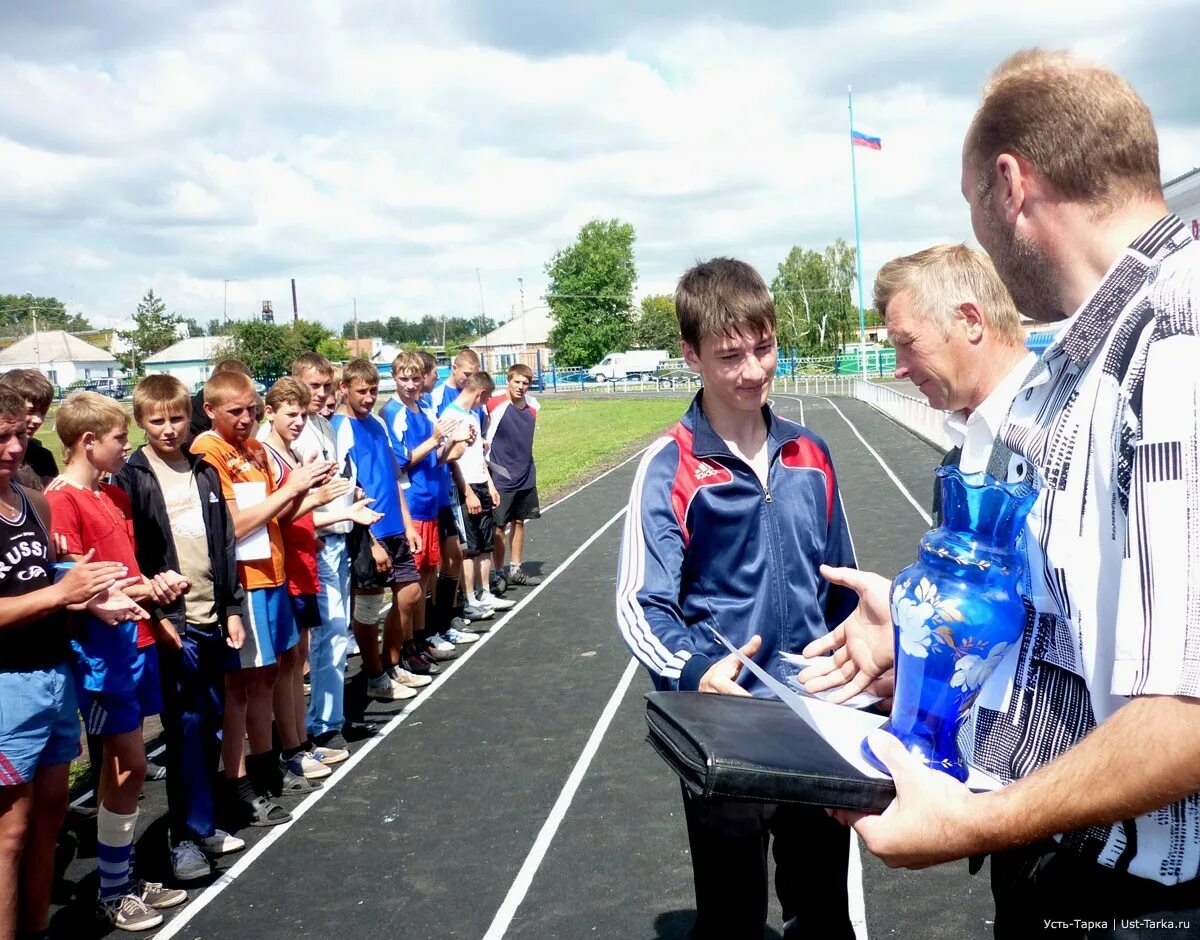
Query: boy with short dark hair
[[39, 465], [478, 496], [181, 522], [731, 515], [39, 723], [511, 420], [118, 666], [254, 502], [362, 439]]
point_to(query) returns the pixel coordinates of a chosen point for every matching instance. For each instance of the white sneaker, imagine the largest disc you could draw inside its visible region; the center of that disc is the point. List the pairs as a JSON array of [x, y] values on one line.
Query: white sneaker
[[307, 766], [385, 690], [459, 637], [329, 755], [189, 863], [441, 644], [222, 843], [477, 611], [411, 679], [488, 599], [129, 912]]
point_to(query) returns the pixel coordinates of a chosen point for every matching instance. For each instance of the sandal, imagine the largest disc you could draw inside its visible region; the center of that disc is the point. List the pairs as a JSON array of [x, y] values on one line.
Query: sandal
[[296, 785], [263, 812]]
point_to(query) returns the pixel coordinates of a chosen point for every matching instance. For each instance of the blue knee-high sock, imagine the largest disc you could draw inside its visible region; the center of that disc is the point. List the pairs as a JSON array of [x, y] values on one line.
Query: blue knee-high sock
[[114, 852]]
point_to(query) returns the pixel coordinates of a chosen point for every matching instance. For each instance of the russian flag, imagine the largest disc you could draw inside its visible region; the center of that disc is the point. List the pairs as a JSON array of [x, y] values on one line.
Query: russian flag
[[859, 139]]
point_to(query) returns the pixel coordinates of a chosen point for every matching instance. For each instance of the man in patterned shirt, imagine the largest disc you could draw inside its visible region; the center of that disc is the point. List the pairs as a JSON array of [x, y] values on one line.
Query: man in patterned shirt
[[1093, 719]]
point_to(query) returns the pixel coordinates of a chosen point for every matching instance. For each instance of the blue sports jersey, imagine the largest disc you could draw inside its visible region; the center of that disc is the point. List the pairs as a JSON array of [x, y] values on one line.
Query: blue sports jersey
[[365, 442], [408, 429]]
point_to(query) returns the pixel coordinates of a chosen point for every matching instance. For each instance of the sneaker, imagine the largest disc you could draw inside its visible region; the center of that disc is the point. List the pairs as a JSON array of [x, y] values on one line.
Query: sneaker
[[157, 896], [222, 843], [488, 599], [329, 755], [129, 912], [404, 677], [440, 647], [460, 623], [430, 662], [385, 690], [498, 583], [307, 766], [188, 863], [478, 626], [517, 576], [460, 637], [475, 612]]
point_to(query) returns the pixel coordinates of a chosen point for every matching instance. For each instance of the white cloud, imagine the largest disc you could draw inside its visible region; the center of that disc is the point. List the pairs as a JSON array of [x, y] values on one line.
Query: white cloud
[[385, 151]]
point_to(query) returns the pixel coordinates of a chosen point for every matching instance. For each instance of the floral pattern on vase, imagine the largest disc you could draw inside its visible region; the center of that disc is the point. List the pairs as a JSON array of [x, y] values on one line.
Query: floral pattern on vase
[[956, 612]]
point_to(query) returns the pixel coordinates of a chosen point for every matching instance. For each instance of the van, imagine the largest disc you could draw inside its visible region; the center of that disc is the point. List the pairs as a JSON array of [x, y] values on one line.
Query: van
[[632, 364]]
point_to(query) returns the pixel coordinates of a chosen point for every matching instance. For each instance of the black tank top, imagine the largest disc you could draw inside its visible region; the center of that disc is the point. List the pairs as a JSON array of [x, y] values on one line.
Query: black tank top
[[25, 566]]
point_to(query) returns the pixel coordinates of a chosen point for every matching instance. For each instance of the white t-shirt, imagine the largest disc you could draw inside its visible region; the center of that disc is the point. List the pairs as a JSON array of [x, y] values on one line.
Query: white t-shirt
[[317, 440], [472, 464]]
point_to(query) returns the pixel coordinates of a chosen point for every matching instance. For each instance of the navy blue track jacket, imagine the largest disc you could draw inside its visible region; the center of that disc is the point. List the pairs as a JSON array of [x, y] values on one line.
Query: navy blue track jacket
[[705, 543]]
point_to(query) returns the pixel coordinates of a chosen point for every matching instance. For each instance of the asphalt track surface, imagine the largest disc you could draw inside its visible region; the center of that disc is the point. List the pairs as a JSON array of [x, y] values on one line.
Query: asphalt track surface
[[516, 797]]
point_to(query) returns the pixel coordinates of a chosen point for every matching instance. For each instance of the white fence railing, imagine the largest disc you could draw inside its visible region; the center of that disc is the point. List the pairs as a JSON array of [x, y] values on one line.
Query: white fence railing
[[913, 413]]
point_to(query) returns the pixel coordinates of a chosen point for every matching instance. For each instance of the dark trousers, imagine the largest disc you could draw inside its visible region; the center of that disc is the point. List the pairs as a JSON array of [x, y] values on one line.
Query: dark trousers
[[193, 683], [729, 841], [1040, 891]]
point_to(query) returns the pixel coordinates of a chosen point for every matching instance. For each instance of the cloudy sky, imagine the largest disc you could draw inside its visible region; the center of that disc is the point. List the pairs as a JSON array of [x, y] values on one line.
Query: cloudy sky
[[386, 150]]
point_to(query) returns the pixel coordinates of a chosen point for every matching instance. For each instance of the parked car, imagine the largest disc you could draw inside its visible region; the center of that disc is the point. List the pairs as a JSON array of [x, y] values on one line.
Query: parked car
[[113, 388]]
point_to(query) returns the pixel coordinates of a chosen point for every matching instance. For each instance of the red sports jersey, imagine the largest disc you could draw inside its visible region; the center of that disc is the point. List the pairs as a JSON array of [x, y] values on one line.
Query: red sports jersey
[[101, 519]]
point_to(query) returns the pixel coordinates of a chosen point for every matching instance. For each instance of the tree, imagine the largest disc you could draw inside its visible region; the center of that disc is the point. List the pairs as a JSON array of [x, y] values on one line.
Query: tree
[[657, 326], [17, 312], [591, 293], [216, 328], [154, 329], [193, 327], [269, 348], [813, 306]]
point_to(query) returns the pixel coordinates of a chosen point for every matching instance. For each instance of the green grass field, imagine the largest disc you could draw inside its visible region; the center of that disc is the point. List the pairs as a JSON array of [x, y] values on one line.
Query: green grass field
[[575, 436]]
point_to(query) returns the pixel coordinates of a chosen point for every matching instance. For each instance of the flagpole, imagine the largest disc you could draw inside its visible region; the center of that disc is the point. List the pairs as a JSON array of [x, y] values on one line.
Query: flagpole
[[862, 314]]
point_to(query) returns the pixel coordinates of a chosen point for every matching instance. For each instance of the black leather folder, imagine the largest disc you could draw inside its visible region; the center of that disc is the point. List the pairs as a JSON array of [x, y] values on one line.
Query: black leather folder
[[756, 750]]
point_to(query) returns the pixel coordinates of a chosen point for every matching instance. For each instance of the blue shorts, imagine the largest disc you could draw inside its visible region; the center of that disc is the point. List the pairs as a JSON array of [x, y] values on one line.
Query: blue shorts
[[270, 627], [106, 658], [39, 724], [108, 713], [305, 611]]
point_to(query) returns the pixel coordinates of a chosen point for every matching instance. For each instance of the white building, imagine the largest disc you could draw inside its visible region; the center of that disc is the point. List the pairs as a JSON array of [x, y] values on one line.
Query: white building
[[189, 360], [64, 359], [1183, 198], [525, 338]]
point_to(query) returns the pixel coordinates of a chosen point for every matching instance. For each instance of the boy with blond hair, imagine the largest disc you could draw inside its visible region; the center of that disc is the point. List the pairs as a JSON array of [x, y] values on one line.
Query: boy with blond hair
[[181, 522], [364, 446], [254, 502], [39, 466], [118, 666], [420, 446]]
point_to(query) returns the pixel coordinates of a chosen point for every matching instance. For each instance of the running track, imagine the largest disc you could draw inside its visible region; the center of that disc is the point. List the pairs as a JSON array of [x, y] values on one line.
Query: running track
[[516, 796]]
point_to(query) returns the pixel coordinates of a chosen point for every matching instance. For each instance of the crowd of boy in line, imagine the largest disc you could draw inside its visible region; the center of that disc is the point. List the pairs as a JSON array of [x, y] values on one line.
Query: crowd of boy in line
[[243, 552]]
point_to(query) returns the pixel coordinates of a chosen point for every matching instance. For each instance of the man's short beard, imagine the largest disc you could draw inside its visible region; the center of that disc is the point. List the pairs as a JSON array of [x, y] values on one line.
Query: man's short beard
[[1026, 271]]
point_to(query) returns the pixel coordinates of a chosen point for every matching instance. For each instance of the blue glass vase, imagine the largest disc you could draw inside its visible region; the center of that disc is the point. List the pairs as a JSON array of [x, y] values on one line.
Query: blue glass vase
[[955, 612]]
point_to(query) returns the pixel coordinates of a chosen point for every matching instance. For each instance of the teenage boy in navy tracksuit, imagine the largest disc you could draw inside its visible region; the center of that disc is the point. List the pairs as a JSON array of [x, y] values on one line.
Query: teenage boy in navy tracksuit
[[731, 515], [181, 523]]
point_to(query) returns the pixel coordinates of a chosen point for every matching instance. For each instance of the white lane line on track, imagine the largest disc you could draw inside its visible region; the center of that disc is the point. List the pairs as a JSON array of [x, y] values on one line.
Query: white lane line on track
[[563, 499], [879, 460], [520, 886], [214, 890]]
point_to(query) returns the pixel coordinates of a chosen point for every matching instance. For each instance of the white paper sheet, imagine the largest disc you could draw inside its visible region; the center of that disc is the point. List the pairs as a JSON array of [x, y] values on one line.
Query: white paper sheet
[[256, 545], [842, 728]]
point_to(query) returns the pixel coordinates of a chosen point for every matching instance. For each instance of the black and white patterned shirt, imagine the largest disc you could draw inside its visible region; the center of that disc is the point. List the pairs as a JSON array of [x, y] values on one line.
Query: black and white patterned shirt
[[1108, 426]]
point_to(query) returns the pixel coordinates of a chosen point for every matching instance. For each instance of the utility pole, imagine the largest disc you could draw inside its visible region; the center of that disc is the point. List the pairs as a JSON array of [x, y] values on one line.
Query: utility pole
[[482, 312], [521, 285], [225, 308], [295, 308], [355, 326], [37, 349]]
